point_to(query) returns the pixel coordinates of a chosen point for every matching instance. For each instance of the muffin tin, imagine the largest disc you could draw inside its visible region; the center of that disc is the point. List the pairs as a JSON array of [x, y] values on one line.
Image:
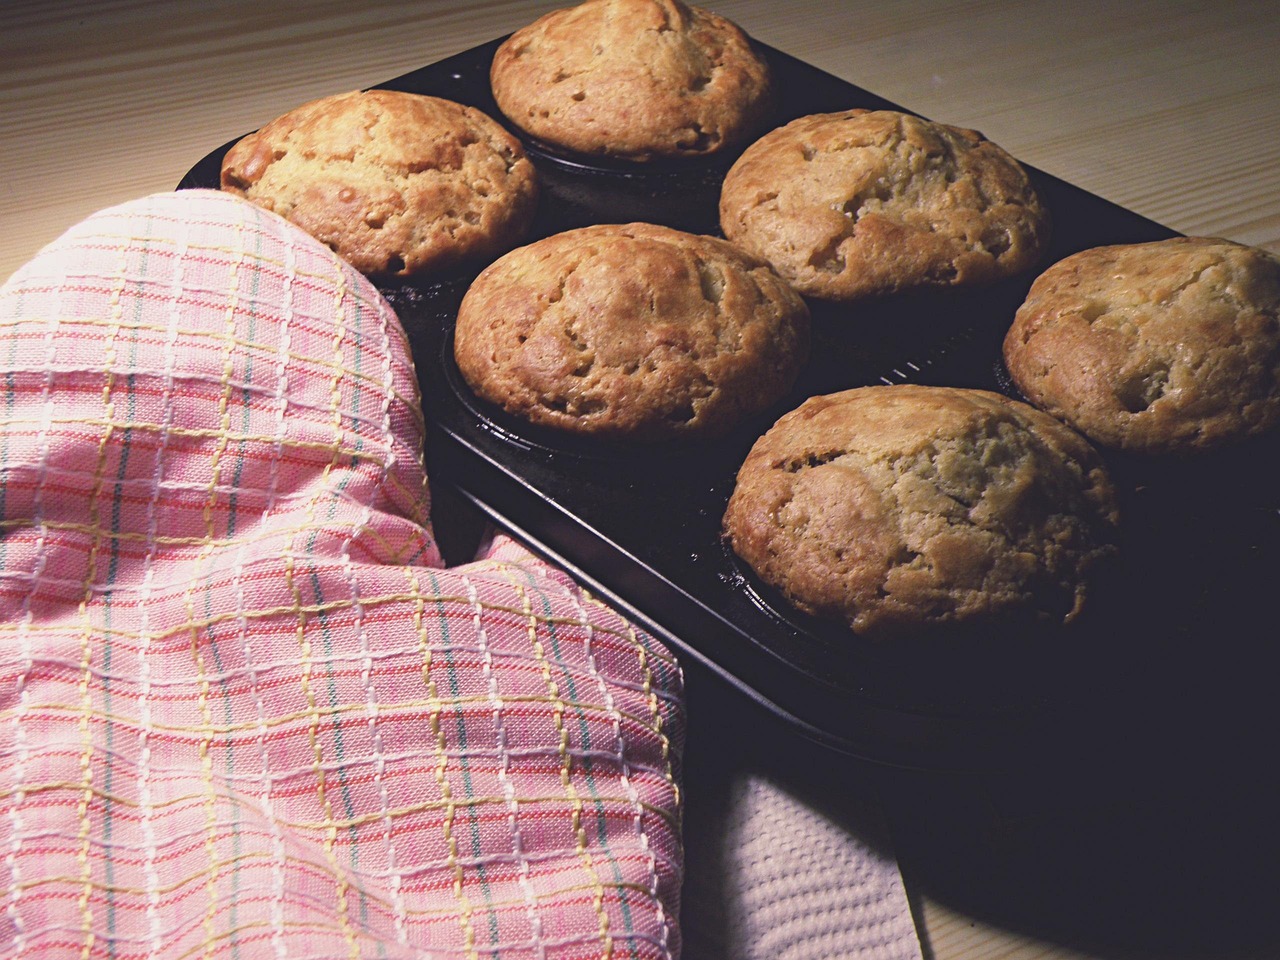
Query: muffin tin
[[1165, 657]]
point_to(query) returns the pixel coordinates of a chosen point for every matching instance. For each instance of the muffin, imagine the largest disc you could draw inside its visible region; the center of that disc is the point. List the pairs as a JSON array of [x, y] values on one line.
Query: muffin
[[633, 330], [864, 203], [908, 508], [633, 79], [397, 184], [1169, 347]]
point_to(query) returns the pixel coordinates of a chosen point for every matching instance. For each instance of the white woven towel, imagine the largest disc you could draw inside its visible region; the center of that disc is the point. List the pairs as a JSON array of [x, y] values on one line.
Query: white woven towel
[[787, 849], [806, 888]]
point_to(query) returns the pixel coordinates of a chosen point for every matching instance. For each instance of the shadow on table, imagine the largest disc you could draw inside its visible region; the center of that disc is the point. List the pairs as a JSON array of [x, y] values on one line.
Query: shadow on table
[[1173, 855], [1168, 861]]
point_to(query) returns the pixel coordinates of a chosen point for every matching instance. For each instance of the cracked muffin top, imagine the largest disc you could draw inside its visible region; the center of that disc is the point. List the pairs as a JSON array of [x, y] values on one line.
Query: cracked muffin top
[[633, 79], [906, 508], [1157, 348], [631, 331], [397, 184], [862, 203]]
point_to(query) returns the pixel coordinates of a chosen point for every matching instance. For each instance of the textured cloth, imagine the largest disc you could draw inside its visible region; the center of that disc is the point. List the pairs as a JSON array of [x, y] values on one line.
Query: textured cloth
[[787, 849], [246, 712], [802, 887]]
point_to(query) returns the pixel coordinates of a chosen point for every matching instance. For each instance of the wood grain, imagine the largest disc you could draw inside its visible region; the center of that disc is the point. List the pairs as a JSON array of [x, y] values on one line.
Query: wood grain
[[1168, 109]]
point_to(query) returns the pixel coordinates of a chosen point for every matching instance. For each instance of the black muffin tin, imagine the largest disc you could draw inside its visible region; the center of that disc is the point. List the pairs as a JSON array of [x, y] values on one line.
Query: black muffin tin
[[1169, 653]]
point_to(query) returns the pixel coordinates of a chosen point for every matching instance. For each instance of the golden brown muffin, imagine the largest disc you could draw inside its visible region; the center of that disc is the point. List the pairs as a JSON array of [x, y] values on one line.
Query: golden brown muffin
[[861, 203], [632, 79], [397, 184], [904, 508], [634, 330], [1156, 348]]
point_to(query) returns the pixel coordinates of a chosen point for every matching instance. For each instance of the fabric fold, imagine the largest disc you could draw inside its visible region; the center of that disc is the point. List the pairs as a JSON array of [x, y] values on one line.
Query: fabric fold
[[244, 710]]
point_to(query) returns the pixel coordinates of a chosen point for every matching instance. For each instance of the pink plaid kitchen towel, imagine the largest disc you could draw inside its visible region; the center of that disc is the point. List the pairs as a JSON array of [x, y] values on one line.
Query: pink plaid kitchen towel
[[246, 712]]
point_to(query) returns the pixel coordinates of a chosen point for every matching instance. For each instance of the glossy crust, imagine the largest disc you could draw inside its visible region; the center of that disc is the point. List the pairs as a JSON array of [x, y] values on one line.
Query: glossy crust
[[635, 331], [862, 203], [904, 508], [1157, 348], [633, 79], [397, 184]]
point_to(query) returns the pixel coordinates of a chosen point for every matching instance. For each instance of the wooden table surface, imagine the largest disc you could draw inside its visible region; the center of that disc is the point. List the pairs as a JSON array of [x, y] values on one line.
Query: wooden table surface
[[1169, 108]]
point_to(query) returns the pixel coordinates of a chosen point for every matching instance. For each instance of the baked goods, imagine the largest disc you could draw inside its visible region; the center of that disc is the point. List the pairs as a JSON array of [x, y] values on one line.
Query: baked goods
[[909, 507], [633, 330], [1157, 348], [861, 203], [632, 79], [397, 184]]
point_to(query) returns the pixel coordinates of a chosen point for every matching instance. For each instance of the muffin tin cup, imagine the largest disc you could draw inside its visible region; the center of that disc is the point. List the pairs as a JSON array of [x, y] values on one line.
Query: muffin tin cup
[[1166, 647]]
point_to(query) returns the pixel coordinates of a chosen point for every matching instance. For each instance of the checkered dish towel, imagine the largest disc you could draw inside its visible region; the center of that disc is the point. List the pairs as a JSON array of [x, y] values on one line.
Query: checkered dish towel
[[246, 712]]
